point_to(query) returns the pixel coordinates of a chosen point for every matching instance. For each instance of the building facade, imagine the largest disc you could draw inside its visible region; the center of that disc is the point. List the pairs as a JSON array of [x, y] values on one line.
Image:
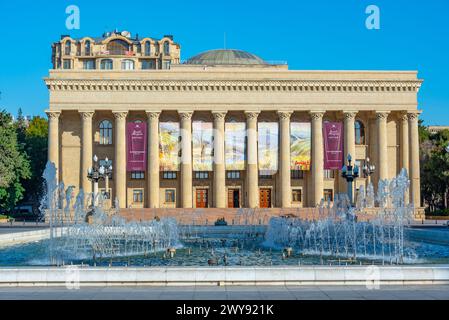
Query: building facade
[[225, 129]]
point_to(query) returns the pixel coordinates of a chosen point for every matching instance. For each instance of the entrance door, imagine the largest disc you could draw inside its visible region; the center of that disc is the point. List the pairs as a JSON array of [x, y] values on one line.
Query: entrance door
[[201, 198], [265, 198], [233, 198]]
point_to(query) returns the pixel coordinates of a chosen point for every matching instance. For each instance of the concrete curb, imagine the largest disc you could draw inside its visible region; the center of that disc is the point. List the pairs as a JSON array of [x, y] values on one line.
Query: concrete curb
[[178, 276]]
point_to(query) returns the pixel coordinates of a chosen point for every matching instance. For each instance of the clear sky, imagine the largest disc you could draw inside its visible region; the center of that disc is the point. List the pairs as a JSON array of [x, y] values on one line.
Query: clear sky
[[318, 34]]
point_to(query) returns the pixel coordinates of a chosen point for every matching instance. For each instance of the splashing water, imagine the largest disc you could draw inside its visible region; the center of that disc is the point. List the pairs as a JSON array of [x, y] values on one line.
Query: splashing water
[[92, 231], [338, 232]]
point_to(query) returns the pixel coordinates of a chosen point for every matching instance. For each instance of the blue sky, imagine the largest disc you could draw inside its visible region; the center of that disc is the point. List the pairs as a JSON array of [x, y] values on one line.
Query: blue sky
[[319, 34]]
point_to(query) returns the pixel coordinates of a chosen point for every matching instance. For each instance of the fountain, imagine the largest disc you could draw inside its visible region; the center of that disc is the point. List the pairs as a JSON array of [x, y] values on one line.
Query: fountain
[[95, 233], [338, 233]]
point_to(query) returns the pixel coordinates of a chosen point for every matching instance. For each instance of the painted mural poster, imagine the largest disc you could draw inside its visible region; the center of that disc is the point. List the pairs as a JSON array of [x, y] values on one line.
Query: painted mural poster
[[333, 145], [169, 146], [300, 143], [268, 133], [136, 134], [202, 136], [235, 134]]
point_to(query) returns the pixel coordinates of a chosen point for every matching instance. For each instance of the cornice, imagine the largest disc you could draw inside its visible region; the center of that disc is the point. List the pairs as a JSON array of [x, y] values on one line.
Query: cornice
[[232, 85]]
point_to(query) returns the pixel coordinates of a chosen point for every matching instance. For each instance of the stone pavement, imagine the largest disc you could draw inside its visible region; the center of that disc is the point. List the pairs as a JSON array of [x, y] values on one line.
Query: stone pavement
[[434, 292]]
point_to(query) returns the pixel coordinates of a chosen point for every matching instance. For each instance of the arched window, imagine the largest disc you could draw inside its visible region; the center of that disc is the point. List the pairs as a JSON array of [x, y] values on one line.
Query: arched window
[[106, 64], [68, 48], [359, 133], [148, 48], [87, 48], [105, 132], [166, 48], [127, 64], [118, 47]]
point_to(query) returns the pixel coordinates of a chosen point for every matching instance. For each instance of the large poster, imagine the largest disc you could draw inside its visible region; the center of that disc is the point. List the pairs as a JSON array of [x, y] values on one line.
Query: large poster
[[136, 146], [268, 133], [333, 145], [235, 133], [300, 142], [169, 146], [202, 136]]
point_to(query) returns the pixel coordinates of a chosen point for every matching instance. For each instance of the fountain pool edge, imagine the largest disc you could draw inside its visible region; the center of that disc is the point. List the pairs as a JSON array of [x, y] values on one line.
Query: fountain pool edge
[[177, 276]]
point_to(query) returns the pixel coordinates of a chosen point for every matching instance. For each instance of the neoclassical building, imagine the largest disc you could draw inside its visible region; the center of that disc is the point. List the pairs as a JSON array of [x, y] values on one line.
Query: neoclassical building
[[225, 129]]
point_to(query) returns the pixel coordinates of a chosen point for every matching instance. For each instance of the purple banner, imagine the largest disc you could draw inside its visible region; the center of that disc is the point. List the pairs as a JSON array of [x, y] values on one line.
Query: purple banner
[[333, 145], [137, 146]]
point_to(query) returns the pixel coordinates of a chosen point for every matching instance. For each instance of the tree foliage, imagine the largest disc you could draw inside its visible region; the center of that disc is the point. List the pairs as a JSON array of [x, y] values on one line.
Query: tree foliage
[[14, 164]]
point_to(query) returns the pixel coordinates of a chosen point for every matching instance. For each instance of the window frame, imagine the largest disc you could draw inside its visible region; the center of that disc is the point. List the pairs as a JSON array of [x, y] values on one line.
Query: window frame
[[171, 198], [106, 62], [360, 139], [140, 195], [109, 130], [300, 195], [125, 62]]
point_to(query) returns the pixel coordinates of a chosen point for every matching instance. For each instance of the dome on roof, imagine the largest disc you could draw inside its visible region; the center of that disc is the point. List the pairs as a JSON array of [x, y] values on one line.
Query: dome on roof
[[226, 57]]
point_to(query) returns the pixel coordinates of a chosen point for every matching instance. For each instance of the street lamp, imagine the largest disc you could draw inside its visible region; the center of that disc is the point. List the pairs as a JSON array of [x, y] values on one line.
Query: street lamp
[[97, 173], [368, 170], [350, 172]]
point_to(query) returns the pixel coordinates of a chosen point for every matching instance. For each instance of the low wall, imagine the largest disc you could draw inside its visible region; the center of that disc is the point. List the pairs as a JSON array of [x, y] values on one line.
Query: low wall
[[23, 237], [301, 275]]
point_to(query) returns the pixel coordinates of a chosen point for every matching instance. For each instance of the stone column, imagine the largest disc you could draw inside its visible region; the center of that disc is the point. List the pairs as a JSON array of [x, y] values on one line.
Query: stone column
[[153, 159], [415, 192], [382, 144], [405, 157], [186, 159], [350, 141], [53, 139], [219, 194], [252, 170], [86, 149], [317, 157], [120, 157], [285, 169]]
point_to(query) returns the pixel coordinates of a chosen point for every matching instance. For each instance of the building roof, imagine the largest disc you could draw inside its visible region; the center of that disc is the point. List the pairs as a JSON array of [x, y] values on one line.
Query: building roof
[[226, 57]]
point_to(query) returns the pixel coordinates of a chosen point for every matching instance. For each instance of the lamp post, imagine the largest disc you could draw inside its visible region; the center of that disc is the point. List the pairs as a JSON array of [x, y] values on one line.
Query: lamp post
[[368, 170], [350, 172], [97, 173]]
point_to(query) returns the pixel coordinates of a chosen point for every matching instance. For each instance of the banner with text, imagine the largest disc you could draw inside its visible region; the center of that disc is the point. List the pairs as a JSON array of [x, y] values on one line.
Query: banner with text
[[137, 146], [169, 146], [202, 136], [300, 143], [333, 145], [268, 147], [235, 133]]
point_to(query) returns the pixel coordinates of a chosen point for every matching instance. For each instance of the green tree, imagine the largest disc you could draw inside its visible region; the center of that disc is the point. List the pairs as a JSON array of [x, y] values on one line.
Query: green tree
[[14, 164], [35, 141]]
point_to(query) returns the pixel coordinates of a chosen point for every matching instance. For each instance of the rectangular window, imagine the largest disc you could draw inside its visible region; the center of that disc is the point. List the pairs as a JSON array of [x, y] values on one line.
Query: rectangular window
[[265, 175], [328, 195], [169, 175], [89, 64], [233, 175], [170, 196], [148, 65], [329, 174], [297, 174], [137, 175], [297, 195], [138, 196], [67, 64], [166, 65], [201, 175]]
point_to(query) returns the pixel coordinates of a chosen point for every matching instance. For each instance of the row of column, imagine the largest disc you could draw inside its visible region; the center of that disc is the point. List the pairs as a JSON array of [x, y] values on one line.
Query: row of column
[[408, 136]]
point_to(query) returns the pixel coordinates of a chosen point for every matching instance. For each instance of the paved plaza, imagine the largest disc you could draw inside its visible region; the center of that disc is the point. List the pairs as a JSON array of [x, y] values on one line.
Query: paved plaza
[[229, 293]]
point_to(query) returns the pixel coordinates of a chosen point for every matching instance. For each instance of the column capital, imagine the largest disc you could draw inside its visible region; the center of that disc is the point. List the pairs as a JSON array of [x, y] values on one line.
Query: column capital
[[86, 115], [382, 115], [252, 115], [185, 115], [414, 115], [153, 115], [219, 115], [403, 116], [317, 115], [53, 115], [120, 115], [350, 115], [284, 115]]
